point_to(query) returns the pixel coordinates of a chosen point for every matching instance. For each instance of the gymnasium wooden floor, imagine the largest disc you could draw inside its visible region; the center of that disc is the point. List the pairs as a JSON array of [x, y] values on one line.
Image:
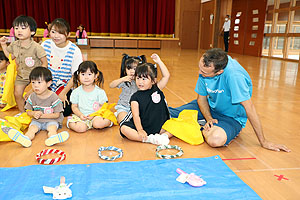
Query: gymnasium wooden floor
[[276, 95]]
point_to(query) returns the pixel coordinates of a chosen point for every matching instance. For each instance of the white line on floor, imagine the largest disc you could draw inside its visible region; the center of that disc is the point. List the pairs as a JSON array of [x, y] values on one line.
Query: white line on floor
[[176, 95], [253, 155]]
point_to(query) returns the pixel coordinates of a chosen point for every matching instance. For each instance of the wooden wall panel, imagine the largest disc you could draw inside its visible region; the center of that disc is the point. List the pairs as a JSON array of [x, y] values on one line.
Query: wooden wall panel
[[189, 24], [206, 29], [190, 31], [126, 44], [169, 44], [101, 43], [149, 44]]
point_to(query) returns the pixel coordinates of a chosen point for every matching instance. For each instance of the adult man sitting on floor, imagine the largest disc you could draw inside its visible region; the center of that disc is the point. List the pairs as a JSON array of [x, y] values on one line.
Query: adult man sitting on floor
[[224, 100]]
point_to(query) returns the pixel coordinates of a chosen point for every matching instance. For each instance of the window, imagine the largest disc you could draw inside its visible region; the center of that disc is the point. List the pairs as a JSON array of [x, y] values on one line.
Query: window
[[266, 44], [282, 22], [282, 28], [294, 48], [295, 28], [284, 4], [277, 49]]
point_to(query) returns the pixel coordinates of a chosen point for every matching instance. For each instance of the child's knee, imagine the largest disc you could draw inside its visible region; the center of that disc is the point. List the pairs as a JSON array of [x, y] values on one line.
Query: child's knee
[[77, 127], [123, 129], [100, 122]]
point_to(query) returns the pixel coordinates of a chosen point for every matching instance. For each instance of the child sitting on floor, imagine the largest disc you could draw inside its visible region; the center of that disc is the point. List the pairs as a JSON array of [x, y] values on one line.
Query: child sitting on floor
[[127, 83], [149, 109], [45, 108], [87, 99]]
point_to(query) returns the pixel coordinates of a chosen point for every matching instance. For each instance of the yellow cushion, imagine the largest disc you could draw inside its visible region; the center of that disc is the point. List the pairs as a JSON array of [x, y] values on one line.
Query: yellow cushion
[[185, 127], [3, 136], [8, 91], [106, 113]]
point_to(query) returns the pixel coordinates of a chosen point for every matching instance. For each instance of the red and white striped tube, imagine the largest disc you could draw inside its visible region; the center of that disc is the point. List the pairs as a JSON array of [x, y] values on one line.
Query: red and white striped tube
[[50, 161]]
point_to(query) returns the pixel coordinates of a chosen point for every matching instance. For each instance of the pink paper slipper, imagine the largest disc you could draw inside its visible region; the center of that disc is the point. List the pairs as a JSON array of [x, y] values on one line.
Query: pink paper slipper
[[192, 178]]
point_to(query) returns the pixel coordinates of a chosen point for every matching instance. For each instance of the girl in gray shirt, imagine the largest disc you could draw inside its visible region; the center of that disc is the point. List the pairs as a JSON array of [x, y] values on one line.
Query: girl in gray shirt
[[127, 83]]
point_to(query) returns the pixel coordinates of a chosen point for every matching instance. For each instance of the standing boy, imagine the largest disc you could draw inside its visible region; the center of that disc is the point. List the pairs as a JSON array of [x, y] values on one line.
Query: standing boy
[[27, 52]]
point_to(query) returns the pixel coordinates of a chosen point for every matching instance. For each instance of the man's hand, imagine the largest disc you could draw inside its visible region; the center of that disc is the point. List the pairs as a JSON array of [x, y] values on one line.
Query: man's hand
[[209, 124], [275, 147]]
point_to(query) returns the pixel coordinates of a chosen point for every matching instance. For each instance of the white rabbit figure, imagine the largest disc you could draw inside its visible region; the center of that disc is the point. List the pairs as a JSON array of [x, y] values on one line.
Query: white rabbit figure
[[62, 191]]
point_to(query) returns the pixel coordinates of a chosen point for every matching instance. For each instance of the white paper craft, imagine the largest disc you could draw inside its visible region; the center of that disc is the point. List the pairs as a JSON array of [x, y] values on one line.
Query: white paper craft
[[62, 191]]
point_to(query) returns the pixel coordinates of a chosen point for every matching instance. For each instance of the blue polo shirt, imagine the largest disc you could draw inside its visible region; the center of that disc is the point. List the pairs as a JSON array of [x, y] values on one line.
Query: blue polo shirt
[[227, 90]]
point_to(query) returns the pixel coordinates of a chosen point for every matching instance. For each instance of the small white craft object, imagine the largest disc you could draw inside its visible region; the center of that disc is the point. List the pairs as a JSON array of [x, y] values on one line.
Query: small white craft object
[[62, 191], [192, 178]]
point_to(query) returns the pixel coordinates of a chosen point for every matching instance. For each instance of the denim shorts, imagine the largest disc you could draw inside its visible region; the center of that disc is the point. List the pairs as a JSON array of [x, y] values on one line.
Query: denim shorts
[[228, 124], [121, 108], [44, 125]]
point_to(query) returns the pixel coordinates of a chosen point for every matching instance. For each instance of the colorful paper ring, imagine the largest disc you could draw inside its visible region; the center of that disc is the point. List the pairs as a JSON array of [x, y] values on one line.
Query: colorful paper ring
[[50, 161], [161, 147], [110, 148]]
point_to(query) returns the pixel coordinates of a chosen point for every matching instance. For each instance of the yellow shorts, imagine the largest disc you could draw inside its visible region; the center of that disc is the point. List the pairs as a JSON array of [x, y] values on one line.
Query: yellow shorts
[[75, 118]]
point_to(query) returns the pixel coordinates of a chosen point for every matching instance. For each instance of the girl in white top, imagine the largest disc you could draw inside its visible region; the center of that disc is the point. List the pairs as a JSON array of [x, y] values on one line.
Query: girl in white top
[[87, 99], [63, 57]]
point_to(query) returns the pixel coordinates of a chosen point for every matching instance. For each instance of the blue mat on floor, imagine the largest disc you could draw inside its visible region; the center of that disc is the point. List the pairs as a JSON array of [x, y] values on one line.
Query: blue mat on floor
[[150, 179]]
